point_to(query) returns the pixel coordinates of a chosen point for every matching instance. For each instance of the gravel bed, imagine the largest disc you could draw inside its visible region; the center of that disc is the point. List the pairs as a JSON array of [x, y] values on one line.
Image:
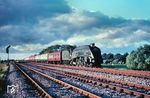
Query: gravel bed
[[119, 85], [135, 80], [22, 87], [103, 92], [98, 90], [54, 89]]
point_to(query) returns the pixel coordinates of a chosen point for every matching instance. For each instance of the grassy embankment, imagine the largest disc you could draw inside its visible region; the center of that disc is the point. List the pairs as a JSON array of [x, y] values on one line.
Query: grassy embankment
[[3, 69], [115, 66]]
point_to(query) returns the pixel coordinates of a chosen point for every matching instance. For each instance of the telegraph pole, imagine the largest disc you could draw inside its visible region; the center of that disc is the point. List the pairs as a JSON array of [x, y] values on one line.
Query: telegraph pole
[[7, 51]]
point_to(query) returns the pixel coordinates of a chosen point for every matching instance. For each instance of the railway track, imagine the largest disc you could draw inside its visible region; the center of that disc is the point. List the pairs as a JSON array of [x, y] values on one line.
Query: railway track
[[97, 82], [129, 88], [83, 93], [100, 77], [41, 92], [141, 85], [20, 85], [103, 82], [124, 73], [140, 74]]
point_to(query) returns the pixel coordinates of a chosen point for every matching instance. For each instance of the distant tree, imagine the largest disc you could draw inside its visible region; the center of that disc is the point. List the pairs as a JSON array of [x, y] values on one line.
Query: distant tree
[[123, 58], [107, 58], [139, 59], [110, 56], [148, 61], [114, 58], [125, 54], [117, 56], [55, 48], [104, 56]]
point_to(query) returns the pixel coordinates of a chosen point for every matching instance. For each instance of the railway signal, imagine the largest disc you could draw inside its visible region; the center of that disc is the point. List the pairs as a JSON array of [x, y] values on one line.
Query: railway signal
[[7, 51]]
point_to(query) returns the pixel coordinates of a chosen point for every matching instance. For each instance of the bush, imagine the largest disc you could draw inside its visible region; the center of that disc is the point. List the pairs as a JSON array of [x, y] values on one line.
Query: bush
[[139, 59]]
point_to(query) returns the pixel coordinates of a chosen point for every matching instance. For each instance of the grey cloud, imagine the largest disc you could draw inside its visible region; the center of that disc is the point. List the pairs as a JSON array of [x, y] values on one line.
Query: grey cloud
[[22, 11], [17, 18], [65, 25], [10, 34], [90, 23]]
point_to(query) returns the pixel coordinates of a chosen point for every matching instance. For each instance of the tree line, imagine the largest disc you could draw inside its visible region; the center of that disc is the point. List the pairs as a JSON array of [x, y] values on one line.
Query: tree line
[[138, 59], [55, 48], [117, 58]]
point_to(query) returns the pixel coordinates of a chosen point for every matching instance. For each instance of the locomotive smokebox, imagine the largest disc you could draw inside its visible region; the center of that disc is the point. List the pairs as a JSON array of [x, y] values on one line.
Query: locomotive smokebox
[[92, 44]]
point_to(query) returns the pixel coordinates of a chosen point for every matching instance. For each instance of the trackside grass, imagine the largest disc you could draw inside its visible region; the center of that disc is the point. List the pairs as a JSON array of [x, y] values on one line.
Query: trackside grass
[[3, 69]]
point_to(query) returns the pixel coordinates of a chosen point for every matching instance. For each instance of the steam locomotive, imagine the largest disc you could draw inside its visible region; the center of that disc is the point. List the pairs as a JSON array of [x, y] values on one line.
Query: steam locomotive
[[87, 55]]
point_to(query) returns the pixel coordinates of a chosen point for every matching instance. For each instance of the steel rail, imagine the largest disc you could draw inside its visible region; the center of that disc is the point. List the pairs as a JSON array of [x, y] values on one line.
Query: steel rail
[[41, 91], [78, 76], [69, 86]]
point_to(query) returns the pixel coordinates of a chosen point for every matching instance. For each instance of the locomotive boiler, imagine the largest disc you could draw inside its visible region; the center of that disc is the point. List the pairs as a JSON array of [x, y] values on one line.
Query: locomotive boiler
[[88, 55]]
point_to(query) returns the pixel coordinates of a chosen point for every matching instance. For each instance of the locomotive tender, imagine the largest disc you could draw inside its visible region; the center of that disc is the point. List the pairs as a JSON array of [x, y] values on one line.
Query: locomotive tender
[[87, 55]]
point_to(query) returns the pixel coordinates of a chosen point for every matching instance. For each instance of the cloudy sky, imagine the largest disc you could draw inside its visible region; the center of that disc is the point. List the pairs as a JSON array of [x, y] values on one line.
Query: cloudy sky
[[116, 26]]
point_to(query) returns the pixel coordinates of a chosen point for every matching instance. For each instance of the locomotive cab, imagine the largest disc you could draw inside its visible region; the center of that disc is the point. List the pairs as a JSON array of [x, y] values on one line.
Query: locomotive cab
[[97, 55]]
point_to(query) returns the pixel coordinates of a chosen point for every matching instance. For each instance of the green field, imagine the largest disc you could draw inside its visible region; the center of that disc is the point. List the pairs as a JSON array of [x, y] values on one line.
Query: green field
[[115, 66], [3, 69]]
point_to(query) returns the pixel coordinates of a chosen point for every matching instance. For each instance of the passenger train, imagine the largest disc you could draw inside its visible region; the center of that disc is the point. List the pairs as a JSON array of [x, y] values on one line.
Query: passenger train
[[87, 55]]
